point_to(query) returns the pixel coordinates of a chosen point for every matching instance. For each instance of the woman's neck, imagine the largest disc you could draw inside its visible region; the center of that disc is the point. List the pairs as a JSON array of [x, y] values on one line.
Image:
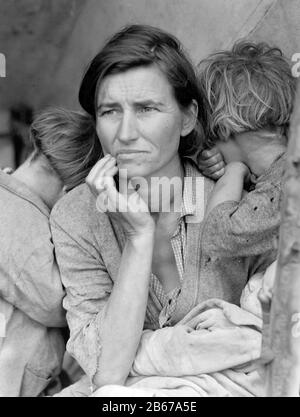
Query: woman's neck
[[163, 189]]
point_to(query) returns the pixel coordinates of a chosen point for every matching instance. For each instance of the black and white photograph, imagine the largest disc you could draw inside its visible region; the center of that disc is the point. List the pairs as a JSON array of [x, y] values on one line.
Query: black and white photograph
[[149, 201]]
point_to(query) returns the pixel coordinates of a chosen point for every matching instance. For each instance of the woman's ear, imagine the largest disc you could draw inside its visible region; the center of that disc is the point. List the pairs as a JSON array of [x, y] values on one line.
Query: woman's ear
[[189, 118]]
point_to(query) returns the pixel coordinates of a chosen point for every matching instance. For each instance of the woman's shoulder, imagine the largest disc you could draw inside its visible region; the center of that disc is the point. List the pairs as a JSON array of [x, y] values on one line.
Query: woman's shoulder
[[78, 208]]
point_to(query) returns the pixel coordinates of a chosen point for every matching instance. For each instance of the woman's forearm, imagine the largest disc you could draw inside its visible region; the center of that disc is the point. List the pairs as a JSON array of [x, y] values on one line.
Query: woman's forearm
[[124, 317]]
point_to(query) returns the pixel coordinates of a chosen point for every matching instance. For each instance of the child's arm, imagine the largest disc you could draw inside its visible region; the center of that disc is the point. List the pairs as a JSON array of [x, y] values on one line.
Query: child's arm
[[249, 227], [230, 186]]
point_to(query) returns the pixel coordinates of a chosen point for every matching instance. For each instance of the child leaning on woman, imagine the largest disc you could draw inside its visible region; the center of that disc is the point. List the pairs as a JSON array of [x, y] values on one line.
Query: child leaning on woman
[[250, 91]]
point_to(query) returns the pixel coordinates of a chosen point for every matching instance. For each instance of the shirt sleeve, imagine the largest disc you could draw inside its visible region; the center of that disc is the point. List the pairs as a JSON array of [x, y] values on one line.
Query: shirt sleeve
[[245, 228], [37, 289], [88, 287]]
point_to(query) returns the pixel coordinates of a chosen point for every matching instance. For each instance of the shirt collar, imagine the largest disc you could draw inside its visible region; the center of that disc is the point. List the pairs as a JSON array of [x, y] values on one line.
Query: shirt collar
[[193, 198], [21, 190]]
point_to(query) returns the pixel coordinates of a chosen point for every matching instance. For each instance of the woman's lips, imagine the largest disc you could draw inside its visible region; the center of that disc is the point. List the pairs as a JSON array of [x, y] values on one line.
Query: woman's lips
[[129, 154]]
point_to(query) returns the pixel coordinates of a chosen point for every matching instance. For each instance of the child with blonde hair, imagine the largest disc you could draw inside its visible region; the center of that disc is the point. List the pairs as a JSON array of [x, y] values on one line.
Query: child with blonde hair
[[250, 91]]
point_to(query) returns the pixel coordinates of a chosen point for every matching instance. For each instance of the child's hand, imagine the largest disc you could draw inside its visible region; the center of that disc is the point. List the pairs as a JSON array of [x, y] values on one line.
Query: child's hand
[[211, 163]]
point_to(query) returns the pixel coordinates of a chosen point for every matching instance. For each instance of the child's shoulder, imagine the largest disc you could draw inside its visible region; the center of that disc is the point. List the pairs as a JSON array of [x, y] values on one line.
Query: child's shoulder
[[273, 177]]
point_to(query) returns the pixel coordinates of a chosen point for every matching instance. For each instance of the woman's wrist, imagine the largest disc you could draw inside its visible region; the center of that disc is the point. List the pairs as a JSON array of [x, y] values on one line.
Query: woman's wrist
[[143, 237]]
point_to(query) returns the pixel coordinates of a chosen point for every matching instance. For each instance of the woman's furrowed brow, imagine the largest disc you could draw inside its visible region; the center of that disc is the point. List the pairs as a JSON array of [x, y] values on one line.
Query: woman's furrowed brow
[[147, 102], [107, 104]]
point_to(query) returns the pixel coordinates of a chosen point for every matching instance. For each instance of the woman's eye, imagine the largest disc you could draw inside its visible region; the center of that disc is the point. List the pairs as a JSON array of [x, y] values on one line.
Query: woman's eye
[[110, 112], [146, 109]]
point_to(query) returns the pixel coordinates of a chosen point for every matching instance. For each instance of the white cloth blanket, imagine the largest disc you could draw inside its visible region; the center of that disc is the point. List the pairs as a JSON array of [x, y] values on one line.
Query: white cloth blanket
[[211, 352]]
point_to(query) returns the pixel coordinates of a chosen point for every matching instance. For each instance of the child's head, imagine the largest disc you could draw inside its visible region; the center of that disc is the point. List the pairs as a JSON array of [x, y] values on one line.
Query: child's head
[[248, 88], [67, 143]]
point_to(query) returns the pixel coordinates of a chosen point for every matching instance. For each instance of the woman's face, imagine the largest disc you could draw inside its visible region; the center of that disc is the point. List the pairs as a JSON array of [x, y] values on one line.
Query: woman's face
[[139, 121]]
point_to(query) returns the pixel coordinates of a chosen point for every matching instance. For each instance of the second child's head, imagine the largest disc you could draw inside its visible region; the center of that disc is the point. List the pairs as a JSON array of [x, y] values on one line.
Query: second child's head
[[249, 89], [65, 144]]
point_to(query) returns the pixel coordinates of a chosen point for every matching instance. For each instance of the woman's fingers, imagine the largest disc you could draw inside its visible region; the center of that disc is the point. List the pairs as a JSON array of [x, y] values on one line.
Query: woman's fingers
[[215, 175], [211, 163], [102, 174], [102, 202], [197, 318], [206, 324], [96, 170], [108, 200], [214, 168], [207, 153], [215, 172], [206, 163], [106, 179], [209, 157], [193, 323], [101, 167], [114, 199]]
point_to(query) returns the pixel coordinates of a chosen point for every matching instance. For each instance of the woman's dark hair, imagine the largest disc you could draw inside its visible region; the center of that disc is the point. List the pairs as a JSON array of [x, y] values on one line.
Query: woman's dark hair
[[142, 45]]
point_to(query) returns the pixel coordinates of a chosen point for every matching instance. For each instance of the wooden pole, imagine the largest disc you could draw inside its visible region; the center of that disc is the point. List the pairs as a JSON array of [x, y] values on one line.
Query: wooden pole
[[283, 377]]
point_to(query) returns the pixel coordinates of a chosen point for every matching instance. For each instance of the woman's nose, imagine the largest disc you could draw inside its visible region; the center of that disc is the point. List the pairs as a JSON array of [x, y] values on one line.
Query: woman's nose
[[128, 128]]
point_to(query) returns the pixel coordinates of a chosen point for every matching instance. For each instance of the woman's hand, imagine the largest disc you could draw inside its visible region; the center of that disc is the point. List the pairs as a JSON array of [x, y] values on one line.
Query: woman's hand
[[213, 318], [211, 163], [127, 205], [208, 319]]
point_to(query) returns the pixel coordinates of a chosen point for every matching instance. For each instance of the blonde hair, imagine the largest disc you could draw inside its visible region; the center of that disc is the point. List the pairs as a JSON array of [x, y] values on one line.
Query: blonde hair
[[68, 141], [248, 88]]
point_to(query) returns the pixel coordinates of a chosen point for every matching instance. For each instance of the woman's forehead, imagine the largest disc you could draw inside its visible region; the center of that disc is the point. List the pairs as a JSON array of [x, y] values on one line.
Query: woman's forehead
[[140, 83]]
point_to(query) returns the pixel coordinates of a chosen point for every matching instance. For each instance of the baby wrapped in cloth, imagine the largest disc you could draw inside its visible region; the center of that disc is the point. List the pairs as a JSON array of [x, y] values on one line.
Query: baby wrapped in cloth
[[213, 351]]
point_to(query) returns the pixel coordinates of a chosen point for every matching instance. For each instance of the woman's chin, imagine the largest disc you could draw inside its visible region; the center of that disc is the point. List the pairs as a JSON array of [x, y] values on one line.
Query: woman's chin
[[132, 170]]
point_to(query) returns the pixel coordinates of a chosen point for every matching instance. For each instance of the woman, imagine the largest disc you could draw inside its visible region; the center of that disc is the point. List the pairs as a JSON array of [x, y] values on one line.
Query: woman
[[138, 265]]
